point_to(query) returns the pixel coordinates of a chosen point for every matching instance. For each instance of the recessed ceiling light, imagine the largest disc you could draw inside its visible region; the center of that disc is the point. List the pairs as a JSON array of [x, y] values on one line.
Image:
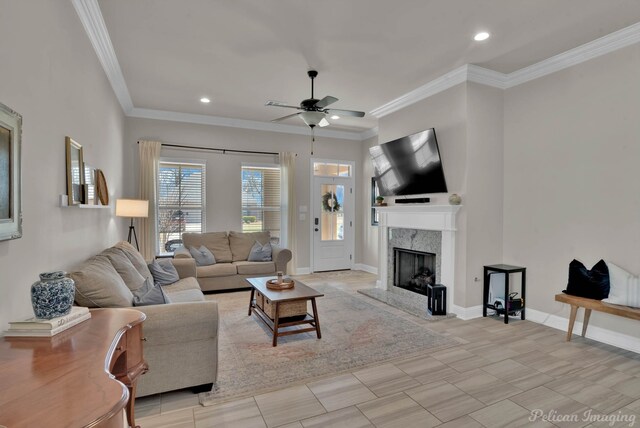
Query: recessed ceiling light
[[481, 36], [205, 100], [335, 116]]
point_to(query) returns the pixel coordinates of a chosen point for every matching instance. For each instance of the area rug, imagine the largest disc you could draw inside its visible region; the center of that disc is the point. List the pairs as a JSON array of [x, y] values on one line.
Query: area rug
[[407, 301], [355, 334]]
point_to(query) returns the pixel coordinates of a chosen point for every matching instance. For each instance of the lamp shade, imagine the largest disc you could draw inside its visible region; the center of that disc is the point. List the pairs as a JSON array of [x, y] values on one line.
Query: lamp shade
[[132, 208]]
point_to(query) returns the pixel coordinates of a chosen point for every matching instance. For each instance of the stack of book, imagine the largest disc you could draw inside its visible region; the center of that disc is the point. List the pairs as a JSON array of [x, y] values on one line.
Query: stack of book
[[36, 327]]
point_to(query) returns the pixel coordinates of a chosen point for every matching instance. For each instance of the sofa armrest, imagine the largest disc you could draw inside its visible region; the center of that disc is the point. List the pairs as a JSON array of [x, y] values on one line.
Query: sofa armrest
[[281, 256], [180, 322], [181, 253], [185, 267]]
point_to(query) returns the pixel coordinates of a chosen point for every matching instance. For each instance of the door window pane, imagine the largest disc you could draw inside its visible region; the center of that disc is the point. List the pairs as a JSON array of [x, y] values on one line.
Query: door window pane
[[329, 169], [332, 215]]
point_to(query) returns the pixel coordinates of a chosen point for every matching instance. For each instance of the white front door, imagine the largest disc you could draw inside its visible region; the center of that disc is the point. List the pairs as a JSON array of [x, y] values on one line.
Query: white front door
[[332, 222]]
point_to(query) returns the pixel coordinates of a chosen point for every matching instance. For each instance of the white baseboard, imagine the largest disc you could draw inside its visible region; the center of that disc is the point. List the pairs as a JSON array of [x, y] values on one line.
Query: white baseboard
[[467, 313], [365, 268], [303, 271], [599, 334]]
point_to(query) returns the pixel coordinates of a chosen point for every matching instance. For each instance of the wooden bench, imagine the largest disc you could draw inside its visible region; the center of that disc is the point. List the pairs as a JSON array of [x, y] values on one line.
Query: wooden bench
[[595, 305]]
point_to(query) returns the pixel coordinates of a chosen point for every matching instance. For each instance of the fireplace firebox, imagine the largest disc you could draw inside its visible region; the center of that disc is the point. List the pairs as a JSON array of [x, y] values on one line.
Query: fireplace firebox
[[414, 270]]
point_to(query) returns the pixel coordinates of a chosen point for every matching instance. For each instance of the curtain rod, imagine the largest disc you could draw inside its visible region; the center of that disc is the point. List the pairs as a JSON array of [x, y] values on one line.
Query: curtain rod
[[219, 150]]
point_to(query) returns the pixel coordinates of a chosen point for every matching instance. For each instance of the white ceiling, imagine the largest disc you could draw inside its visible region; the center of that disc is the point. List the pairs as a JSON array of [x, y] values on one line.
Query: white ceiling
[[242, 53]]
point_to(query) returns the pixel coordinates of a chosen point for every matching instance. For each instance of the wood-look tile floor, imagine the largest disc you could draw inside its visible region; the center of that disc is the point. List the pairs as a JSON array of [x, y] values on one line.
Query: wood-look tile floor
[[498, 376]]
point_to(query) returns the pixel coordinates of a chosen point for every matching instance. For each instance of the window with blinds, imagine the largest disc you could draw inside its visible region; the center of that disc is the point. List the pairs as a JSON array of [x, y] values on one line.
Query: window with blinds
[[261, 200], [181, 202]]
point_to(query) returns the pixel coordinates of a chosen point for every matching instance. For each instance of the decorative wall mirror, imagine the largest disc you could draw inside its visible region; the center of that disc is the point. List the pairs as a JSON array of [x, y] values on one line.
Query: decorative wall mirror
[[75, 172], [10, 185]]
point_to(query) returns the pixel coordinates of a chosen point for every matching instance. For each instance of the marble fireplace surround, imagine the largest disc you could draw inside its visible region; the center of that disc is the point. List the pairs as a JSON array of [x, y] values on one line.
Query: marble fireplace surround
[[441, 218]]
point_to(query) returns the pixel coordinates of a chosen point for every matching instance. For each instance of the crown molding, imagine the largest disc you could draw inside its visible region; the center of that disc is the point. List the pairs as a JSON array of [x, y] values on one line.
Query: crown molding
[[91, 17], [487, 77], [473, 73], [604, 45], [365, 135], [442, 83], [202, 119], [93, 22]]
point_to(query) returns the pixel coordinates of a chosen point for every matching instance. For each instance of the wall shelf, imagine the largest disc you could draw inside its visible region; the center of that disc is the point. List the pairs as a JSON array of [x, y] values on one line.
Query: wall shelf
[[65, 204]]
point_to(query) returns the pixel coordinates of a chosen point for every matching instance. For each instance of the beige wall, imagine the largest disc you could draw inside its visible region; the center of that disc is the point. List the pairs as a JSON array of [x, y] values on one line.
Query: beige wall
[[571, 176], [484, 182], [367, 235], [50, 75], [223, 171]]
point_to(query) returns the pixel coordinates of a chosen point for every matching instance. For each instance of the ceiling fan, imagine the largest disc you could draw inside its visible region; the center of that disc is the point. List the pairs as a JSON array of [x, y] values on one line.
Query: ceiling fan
[[314, 111]]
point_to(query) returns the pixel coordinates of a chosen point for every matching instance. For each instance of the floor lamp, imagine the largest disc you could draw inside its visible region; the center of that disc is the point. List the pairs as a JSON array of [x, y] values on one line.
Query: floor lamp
[[133, 208]]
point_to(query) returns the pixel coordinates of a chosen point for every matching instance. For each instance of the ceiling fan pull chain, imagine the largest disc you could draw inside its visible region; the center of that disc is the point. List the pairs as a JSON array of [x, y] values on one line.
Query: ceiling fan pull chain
[[313, 138]]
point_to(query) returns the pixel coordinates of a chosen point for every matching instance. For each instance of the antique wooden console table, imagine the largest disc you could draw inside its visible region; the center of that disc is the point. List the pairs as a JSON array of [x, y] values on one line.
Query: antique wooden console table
[[83, 377]]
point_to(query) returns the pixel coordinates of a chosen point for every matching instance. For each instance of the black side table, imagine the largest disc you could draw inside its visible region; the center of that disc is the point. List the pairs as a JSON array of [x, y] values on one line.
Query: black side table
[[507, 270]]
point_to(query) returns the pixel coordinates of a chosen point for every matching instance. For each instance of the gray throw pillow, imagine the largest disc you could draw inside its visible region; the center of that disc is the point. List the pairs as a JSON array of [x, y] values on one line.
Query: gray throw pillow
[[260, 253], [149, 294], [163, 271], [203, 256]]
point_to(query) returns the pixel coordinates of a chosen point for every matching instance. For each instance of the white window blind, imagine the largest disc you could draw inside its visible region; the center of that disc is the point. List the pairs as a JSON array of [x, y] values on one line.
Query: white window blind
[[261, 200], [181, 202]]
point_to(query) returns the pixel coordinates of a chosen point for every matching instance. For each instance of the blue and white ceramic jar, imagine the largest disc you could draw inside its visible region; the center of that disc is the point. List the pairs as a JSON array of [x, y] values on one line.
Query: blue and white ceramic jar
[[53, 295]]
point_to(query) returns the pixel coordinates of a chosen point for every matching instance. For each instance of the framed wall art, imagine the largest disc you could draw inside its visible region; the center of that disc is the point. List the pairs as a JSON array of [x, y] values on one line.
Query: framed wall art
[[75, 172], [10, 174]]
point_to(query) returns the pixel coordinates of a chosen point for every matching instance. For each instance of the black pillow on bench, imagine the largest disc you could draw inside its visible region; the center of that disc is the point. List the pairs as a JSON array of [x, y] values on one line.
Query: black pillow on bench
[[593, 284]]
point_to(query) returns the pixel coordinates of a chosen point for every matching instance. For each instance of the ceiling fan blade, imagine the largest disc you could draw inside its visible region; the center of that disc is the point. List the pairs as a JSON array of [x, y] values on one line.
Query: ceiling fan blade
[[345, 112], [280, 119], [325, 101], [279, 104], [324, 122]]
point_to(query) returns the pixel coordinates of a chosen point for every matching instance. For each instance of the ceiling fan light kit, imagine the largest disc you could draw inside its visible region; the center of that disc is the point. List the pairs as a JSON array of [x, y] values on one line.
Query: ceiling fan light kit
[[314, 111]]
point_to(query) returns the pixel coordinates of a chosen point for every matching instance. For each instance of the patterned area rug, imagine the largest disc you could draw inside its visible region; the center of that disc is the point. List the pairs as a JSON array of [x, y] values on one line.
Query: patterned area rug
[[355, 334], [407, 301]]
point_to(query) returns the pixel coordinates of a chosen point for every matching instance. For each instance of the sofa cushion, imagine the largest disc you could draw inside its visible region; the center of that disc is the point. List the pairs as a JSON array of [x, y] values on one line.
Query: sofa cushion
[[260, 253], [255, 268], [127, 271], [202, 255], [185, 290], [219, 269], [216, 242], [241, 243], [163, 271], [149, 294], [98, 285], [135, 257]]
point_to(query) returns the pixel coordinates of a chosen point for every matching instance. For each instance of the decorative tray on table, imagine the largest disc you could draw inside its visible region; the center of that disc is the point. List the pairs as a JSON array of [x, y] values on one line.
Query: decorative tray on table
[[287, 283]]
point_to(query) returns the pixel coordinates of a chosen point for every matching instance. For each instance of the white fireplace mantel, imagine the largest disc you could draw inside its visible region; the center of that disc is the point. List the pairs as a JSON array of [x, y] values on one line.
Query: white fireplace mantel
[[424, 217], [427, 217]]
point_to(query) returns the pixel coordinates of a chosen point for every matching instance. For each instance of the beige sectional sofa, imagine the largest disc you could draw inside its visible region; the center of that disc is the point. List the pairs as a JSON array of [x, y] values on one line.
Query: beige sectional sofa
[[231, 252], [181, 344]]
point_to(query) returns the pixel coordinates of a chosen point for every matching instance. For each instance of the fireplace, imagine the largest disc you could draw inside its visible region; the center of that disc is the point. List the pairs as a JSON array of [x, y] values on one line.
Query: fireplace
[[413, 270]]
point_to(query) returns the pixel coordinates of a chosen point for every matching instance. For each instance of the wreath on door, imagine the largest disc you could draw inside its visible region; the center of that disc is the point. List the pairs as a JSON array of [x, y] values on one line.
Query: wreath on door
[[330, 202]]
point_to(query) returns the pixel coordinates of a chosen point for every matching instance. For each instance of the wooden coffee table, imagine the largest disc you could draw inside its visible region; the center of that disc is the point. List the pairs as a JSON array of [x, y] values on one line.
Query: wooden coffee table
[[300, 292]]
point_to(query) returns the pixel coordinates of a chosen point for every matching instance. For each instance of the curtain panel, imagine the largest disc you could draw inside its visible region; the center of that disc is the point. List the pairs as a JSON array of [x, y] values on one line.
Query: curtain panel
[[149, 159]]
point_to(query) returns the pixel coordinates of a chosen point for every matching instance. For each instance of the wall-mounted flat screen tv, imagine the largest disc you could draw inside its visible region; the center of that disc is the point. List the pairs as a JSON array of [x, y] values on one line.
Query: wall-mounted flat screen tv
[[410, 165]]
